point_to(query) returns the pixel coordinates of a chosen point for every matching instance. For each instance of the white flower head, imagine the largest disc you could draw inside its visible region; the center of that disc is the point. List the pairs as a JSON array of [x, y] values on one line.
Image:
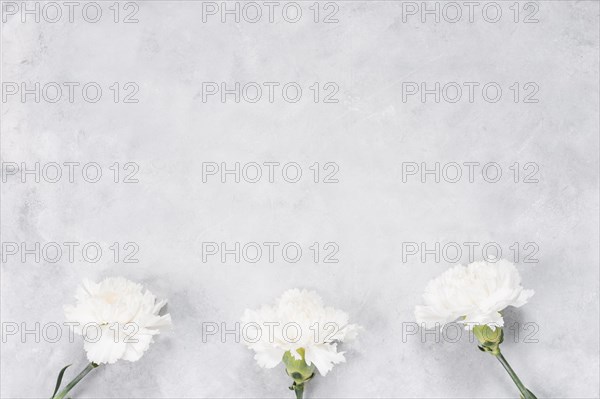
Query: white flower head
[[117, 319], [475, 295], [298, 320]]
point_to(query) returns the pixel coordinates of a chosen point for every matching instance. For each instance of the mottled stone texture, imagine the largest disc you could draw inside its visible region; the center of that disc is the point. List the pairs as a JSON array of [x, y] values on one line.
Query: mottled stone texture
[[370, 54]]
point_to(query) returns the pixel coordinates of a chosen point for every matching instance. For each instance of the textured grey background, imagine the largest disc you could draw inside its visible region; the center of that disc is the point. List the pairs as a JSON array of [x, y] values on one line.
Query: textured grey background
[[369, 213]]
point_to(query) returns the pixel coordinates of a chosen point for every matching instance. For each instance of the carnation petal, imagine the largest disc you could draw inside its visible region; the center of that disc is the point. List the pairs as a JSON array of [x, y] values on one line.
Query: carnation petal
[[127, 317], [269, 357], [523, 298], [102, 346], [475, 294], [298, 320], [324, 357]]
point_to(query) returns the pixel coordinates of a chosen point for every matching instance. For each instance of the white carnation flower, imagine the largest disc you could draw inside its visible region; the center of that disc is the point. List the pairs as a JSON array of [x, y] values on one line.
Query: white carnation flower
[[298, 321], [117, 318], [475, 295]]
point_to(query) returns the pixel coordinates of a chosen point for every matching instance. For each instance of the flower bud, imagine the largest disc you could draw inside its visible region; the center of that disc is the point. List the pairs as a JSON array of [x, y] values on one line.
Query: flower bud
[[297, 368], [489, 339]]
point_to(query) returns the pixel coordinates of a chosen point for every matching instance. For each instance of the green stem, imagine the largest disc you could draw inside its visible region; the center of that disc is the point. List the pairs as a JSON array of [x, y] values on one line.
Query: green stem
[[299, 390], [79, 377], [525, 393]]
